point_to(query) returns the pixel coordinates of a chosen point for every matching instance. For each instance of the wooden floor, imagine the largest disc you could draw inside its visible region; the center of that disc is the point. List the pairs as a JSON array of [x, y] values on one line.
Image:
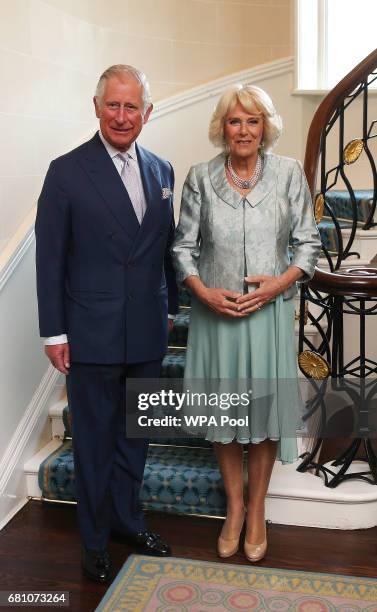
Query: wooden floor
[[40, 550]]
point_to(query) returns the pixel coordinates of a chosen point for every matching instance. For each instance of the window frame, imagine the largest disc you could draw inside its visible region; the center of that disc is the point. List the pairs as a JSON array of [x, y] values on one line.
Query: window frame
[[321, 51]]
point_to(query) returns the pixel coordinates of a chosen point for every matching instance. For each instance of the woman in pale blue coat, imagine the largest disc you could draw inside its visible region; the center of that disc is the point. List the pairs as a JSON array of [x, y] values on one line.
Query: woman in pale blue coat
[[239, 213]]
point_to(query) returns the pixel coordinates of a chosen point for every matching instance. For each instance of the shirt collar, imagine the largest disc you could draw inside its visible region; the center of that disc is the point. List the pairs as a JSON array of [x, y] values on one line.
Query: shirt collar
[[113, 152]]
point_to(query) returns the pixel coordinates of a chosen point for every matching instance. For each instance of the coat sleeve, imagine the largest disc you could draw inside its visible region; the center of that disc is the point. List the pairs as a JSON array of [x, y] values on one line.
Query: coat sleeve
[[173, 305], [52, 233], [304, 235], [186, 246]]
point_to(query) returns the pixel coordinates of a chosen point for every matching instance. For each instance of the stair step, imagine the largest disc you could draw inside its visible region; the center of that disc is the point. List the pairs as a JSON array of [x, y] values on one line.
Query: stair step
[[173, 365], [176, 479], [57, 424], [178, 335], [184, 297], [328, 233], [364, 243], [179, 479], [341, 204], [32, 466]]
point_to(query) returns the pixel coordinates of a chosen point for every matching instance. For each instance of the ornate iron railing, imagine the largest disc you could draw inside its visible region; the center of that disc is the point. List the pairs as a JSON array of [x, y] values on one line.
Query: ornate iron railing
[[337, 290]]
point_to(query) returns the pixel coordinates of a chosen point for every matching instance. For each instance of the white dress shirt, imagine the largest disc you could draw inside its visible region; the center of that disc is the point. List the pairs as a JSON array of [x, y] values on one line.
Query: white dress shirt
[[118, 163]]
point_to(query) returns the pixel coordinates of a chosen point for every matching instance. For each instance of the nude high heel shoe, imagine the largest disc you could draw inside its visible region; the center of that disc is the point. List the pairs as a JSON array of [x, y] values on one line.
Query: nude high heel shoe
[[255, 552], [228, 547]]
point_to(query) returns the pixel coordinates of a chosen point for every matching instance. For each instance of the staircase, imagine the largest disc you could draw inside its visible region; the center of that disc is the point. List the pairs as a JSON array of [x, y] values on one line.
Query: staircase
[[182, 476]]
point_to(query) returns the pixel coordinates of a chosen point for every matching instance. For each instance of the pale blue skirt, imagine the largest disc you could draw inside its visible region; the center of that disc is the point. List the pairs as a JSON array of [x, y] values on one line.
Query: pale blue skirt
[[257, 351]]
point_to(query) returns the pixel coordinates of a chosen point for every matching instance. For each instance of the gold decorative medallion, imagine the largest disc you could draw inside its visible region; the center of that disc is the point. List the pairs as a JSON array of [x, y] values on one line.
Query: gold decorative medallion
[[313, 365], [352, 151], [319, 207]]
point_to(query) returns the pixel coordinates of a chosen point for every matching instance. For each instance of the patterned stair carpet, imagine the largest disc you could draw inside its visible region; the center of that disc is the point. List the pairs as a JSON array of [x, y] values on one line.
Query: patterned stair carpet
[[180, 585], [179, 479], [341, 206]]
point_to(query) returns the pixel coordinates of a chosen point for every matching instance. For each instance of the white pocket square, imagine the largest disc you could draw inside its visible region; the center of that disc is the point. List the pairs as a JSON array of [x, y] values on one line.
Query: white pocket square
[[166, 193]]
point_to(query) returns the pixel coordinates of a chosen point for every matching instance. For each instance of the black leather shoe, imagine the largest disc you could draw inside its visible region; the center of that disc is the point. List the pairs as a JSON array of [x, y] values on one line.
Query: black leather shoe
[[148, 543], [96, 565]]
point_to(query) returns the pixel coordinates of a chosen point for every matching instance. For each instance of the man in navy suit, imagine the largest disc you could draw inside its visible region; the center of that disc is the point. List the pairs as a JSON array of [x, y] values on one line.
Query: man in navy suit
[[105, 287]]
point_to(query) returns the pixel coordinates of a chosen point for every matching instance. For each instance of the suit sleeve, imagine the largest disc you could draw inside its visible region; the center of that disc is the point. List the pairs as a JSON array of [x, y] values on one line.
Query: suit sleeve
[[186, 246], [305, 239], [173, 305], [52, 233]]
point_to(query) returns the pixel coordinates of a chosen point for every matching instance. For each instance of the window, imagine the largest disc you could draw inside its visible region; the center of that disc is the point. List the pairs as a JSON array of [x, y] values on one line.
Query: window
[[332, 37]]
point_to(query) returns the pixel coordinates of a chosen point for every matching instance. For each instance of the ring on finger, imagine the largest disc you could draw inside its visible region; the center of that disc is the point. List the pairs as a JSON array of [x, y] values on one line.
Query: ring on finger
[[259, 305]]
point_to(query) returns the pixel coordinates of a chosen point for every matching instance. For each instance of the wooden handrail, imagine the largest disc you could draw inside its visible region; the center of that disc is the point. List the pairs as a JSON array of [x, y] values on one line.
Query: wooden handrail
[[327, 108], [358, 282]]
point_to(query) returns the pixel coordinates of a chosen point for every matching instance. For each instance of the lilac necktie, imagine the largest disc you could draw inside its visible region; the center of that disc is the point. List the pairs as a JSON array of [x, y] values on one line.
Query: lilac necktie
[[131, 181]]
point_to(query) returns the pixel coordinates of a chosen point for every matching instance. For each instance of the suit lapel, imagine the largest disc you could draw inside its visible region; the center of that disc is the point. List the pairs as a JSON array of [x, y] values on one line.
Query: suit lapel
[[151, 179], [102, 172], [150, 175]]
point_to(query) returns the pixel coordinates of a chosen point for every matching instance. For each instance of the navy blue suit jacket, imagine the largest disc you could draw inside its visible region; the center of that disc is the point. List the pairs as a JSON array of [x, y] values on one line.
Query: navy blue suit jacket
[[102, 278]]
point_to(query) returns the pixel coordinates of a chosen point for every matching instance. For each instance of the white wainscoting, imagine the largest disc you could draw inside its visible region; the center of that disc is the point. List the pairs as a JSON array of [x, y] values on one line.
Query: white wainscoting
[[26, 380]]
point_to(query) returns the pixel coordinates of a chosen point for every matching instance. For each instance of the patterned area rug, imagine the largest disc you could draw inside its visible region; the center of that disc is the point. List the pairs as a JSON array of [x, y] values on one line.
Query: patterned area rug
[[180, 585]]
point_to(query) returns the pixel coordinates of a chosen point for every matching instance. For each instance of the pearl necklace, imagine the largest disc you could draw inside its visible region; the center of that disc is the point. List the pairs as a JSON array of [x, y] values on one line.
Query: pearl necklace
[[246, 183]]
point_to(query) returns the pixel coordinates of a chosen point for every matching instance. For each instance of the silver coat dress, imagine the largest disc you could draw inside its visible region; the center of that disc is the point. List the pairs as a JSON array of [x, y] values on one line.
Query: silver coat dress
[[222, 236]]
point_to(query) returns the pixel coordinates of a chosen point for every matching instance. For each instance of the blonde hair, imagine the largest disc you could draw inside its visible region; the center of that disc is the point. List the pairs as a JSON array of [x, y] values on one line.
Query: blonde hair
[[252, 99]]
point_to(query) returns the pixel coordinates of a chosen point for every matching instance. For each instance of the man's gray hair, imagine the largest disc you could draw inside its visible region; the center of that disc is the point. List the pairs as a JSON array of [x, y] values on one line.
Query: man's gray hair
[[119, 70]]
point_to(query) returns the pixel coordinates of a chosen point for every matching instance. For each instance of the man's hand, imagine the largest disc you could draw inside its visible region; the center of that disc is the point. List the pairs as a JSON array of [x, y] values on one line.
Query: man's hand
[[170, 325], [58, 354]]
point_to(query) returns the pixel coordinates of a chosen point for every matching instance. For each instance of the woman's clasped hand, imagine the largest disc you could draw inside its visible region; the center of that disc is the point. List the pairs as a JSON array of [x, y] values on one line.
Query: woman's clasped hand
[[222, 302], [233, 304], [269, 288]]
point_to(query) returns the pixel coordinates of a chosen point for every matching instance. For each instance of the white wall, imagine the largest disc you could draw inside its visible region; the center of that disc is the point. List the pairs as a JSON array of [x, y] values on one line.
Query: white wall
[[45, 70], [53, 51]]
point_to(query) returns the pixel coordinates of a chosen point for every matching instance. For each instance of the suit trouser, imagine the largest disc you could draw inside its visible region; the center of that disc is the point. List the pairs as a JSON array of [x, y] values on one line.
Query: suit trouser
[[109, 467]]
